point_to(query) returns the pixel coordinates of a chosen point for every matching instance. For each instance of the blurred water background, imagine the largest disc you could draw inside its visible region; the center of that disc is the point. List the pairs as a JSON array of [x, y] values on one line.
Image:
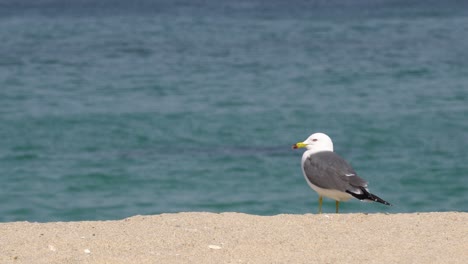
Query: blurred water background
[[110, 109]]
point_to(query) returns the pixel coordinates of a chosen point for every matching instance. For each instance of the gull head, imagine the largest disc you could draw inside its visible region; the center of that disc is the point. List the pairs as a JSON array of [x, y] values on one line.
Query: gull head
[[316, 142]]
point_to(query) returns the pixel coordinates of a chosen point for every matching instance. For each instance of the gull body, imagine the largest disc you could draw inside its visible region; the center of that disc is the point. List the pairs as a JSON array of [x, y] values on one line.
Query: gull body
[[330, 175]]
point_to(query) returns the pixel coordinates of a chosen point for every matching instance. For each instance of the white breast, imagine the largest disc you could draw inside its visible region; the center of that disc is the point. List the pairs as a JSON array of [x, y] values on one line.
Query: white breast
[[333, 194]]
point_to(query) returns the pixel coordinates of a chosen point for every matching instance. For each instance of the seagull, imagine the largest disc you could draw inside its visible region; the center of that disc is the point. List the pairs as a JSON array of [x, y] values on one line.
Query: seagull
[[329, 174]]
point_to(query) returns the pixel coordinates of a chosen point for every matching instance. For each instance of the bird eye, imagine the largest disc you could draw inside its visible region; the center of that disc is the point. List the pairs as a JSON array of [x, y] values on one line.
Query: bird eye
[[314, 139]]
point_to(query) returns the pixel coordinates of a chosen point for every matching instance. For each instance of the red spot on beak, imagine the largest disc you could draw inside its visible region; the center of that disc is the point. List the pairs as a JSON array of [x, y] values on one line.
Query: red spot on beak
[[294, 146]]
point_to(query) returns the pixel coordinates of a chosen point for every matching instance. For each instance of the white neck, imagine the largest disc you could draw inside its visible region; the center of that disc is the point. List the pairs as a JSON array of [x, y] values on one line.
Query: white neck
[[313, 151]]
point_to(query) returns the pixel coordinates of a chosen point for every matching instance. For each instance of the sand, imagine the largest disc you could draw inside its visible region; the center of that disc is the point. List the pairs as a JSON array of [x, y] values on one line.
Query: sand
[[242, 238]]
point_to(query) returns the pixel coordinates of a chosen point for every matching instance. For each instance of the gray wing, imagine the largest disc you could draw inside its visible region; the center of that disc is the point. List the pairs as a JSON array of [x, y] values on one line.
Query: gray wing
[[327, 170]]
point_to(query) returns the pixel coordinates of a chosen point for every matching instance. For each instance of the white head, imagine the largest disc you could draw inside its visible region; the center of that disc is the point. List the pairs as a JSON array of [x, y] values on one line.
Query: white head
[[316, 142]]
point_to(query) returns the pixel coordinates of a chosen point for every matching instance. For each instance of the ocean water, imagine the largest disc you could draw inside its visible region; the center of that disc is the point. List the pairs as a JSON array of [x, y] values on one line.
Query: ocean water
[[110, 109]]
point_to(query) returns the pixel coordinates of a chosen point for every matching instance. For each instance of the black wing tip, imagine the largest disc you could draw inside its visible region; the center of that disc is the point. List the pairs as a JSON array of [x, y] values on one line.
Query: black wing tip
[[365, 195], [379, 200]]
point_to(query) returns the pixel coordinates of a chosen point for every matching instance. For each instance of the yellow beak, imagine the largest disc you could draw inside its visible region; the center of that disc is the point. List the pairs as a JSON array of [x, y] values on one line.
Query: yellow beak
[[299, 145]]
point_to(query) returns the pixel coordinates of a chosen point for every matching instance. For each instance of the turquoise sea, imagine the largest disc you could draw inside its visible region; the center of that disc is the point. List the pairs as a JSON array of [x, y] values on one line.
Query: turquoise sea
[[110, 109]]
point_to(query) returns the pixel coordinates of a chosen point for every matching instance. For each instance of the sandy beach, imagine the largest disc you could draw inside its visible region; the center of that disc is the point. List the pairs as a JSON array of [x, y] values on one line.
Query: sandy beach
[[242, 238]]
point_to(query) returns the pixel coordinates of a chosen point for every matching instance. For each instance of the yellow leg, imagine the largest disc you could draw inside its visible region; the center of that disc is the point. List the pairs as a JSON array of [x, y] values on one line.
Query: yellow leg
[[337, 205], [320, 204]]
